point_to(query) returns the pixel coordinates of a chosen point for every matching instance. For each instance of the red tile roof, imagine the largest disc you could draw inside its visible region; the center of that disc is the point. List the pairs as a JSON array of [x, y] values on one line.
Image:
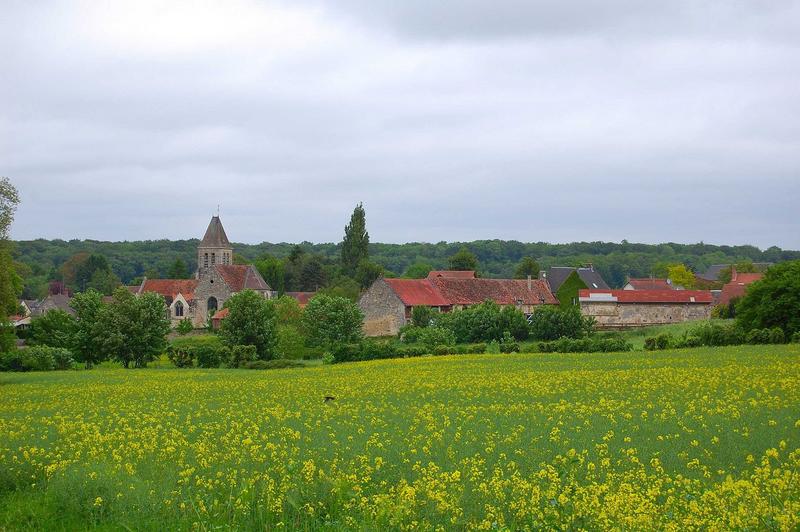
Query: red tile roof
[[455, 274], [170, 288], [221, 314], [647, 296], [240, 277], [459, 291], [417, 292], [650, 284], [738, 288], [302, 297]]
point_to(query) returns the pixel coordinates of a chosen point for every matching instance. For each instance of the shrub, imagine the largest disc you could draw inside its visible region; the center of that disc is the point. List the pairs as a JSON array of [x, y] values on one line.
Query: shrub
[[552, 323], [184, 327], [409, 334], [508, 344], [689, 341], [278, 363], [241, 355], [661, 341], [412, 351], [63, 358], [765, 336], [436, 336], [11, 360], [37, 358], [440, 350], [378, 349], [715, 334], [290, 342], [210, 356], [484, 323], [774, 301], [55, 328], [251, 320], [345, 352], [421, 316], [796, 338], [586, 345], [328, 358], [330, 320], [180, 357]]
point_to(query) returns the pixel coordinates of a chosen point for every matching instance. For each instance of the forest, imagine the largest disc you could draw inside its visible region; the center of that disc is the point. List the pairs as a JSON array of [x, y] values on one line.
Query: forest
[[308, 266]]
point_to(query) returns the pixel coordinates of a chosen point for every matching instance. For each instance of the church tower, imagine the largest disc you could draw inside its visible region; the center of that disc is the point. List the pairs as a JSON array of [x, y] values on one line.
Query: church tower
[[213, 249]]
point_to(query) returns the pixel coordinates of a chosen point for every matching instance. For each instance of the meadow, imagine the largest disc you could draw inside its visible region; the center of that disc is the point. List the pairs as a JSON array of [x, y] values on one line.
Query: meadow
[[702, 438]]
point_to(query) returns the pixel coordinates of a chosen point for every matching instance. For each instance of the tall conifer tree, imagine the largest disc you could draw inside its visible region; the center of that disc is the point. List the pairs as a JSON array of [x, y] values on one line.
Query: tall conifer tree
[[356, 241]]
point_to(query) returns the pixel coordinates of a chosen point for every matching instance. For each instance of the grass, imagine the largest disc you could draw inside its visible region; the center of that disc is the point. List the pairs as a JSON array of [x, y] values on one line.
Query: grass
[[637, 335], [703, 438]]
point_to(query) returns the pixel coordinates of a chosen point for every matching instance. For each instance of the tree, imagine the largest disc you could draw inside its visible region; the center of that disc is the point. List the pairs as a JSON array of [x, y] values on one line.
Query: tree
[[356, 241], [567, 293], [330, 320], [10, 281], [104, 281], [551, 323], [87, 342], [680, 275], [421, 316], [251, 320], [527, 266], [55, 328], [418, 270], [134, 329], [273, 271], [178, 270], [367, 273], [463, 260], [774, 301], [312, 275], [287, 310], [9, 199]]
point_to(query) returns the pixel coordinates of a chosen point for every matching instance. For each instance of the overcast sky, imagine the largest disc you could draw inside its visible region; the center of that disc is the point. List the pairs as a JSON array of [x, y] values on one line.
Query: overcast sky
[[459, 120]]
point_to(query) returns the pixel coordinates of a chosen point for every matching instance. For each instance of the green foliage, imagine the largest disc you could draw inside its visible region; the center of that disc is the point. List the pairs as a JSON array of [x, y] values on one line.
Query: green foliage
[[422, 316], [55, 328], [133, 329], [242, 356], [355, 245], [796, 338], [37, 358], [207, 350], [661, 341], [419, 270], [508, 344], [287, 310], [774, 301], [463, 260], [551, 323], [88, 340], [180, 357], [290, 343], [567, 293], [431, 337], [184, 327], [330, 320], [680, 275], [484, 323], [11, 283], [367, 273], [586, 345], [251, 320], [745, 266], [328, 358], [344, 287], [718, 334], [178, 270], [527, 267], [273, 271], [773, 335]]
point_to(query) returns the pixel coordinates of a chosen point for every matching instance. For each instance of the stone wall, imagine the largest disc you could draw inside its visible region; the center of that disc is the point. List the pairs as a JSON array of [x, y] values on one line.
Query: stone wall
[[210, 285], [610, 315], [384, 312]]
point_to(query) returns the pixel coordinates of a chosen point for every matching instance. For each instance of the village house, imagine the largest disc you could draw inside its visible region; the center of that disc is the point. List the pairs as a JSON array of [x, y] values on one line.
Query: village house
[[557, 275], [388, 303], [640, 308], [737, 288], [216, 280]]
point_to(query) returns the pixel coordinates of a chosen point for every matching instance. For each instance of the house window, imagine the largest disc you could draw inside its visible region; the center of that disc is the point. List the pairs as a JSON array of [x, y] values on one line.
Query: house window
[[178, 309]]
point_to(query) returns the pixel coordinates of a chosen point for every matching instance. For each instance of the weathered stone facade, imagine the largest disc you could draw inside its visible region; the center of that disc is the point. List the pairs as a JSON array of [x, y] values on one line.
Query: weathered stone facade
[[211, 293], [611, 315], [384, 312]]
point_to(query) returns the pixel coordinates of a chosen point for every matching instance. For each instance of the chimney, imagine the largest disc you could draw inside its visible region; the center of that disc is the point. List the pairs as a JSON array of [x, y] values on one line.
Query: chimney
[[530, 283]]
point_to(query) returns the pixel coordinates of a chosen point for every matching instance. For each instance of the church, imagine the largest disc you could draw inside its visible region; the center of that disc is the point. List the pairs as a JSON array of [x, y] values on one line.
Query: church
[[216, 280]]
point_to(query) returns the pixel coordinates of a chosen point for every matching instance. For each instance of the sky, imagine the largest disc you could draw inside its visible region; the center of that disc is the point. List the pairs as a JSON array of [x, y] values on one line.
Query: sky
[[553, 121]]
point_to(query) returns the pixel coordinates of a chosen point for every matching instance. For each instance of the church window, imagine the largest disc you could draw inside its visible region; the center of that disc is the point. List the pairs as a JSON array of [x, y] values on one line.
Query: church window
[[178, 309], [212, 305], [213, 258], [205, 260]]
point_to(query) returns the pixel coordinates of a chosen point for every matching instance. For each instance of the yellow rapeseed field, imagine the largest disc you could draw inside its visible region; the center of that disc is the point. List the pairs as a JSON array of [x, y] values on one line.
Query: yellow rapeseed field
[[694, 439]]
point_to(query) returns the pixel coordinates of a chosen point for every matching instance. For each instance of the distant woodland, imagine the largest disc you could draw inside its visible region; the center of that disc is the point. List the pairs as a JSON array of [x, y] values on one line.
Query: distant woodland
[[318, 265]]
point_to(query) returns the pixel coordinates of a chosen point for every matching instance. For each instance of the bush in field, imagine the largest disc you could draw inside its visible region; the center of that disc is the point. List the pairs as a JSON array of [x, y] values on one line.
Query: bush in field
[[586, 345], [330, 320], [432, 337], [241, 355], [422, 316], [508, 344], [774, 301], [484, 323], [55, 328], [207, 351], [180, 357], [134, 328], [796, 338], [184, 327], [716, 334], [441, 350], [37, 358], [661, 341], [290, 342], [252, 321], [551, 323], [766, 336]]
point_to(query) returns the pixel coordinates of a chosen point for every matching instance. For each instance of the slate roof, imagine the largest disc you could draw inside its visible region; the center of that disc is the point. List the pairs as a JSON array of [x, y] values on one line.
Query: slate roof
[[240, 277], [215, 236], [55, 301], [650, 284], [646, 296], [170, 288], [556, 275]]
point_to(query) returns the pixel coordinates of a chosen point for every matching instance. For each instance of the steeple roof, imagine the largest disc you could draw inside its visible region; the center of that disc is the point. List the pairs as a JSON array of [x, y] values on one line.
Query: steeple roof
[[215, 236]]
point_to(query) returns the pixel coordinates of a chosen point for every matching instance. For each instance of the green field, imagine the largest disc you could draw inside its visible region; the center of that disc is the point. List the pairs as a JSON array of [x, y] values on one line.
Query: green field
[[702, 438]]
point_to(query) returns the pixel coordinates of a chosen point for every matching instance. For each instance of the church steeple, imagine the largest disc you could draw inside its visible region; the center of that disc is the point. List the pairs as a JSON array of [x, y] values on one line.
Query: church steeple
[[215, 248]]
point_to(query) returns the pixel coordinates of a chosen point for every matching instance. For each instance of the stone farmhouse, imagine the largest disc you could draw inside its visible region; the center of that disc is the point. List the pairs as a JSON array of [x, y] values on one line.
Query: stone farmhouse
[[388, 303], [614, 309], [216, 280], [738, 286]]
